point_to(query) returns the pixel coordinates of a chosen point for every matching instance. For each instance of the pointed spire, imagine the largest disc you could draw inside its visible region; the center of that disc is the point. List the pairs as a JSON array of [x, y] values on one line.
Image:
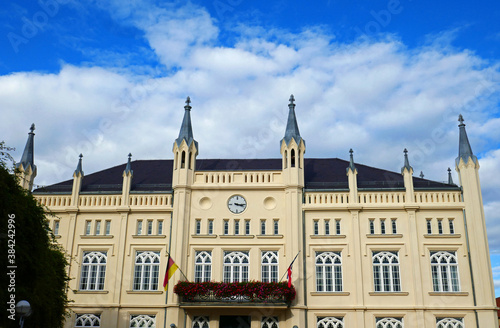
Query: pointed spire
[[128, 168], [292, 129], [407, 162], [186, 132], [79, 166], [351, 166], [464, 148], [28, 158], [422, 174], [450, 179]]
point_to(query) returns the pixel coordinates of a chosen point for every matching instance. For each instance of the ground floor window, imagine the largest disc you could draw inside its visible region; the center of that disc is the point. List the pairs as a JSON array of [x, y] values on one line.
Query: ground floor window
[[389, 323], [330, 322], [270, 322], [200, 322], [450, 323], [142, 320], [88, 320]]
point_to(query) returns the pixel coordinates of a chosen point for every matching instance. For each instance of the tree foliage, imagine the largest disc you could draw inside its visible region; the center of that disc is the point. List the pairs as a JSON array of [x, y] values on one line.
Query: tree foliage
[[40, 276]]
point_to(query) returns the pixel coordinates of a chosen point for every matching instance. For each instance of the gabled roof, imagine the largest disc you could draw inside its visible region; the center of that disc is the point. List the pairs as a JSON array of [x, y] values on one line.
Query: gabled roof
[[319, 173]]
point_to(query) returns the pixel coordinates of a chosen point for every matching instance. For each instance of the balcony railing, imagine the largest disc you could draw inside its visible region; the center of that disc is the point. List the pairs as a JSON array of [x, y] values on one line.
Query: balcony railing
[[239, 292]]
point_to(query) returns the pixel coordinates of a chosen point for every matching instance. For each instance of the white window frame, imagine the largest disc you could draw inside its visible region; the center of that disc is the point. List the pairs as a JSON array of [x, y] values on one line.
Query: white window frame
[[450, 323], [159, 227], [201, 322], [276, 227], [389, 323], [451, 226], [149, 227], [203, 266], [394, 226], [247, 227], [262, 227], [56, 227], [386, 274], [236, 266], [444, 271], [142, 320], [270, 266], [139, 227], [93, 271], [197, 227], [330, 322], [270, 322], [88, 320], [107, 228], [97, 227], [210, 227], [236, 227], [146, 271], [429, 226], [372, 226], [337, 227], [88, 227], [327, 227], [328, 272], [316, 227]]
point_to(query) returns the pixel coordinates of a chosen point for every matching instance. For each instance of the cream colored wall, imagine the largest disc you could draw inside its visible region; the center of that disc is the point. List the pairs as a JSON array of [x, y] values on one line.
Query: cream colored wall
[[268, 197]]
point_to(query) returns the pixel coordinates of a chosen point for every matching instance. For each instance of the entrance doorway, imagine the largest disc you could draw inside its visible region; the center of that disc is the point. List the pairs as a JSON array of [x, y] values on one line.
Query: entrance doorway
[[234, 321]]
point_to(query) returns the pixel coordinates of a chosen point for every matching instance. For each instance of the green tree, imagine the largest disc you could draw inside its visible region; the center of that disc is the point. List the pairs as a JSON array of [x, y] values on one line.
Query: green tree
[[40, 276]]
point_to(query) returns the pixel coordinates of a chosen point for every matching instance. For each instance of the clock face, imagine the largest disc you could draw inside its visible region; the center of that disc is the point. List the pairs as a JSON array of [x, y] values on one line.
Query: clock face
[[236, 204]]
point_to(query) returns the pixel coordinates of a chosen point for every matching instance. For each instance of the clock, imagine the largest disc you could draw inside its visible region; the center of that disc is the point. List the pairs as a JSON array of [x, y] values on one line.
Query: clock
[[236, 204]]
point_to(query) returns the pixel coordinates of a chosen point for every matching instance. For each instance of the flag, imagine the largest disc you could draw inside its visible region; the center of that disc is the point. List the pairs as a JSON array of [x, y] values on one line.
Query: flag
[[289, 276], [171, 268]]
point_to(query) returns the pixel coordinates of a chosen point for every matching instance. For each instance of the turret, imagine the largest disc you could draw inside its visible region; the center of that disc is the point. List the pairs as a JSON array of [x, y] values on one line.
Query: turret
[[293, 148], [77, 182], [185, 150], [407, 172], [352, 175], [26, 168], [127, 181]]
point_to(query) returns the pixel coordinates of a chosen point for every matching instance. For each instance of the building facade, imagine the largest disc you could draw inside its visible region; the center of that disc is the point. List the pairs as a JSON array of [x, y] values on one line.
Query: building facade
[[372, 248]]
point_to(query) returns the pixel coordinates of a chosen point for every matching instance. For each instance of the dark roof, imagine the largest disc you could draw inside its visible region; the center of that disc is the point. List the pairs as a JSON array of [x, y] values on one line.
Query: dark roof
[[320, 173]]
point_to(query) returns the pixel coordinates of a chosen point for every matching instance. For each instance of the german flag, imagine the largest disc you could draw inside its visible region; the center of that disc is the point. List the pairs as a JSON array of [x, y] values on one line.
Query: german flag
[[171, 268]]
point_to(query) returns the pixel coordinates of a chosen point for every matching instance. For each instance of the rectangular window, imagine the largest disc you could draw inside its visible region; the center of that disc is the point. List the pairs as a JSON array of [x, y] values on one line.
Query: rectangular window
[[210, 227], [328, 272], [147, 270], [386, 275], [372, 227], [327, 227], [276, 227], [444, 269], [87, 227], [108, 228], [247, 227], [56, 227], [98, 227], [382, 226], [150, 227], [263, 227], [226, 227], [394, 226], [197, 229], [429, 227], [88, 320], [93, 270], [160, 228], [269, 264], [337, 227], [139, 227], [316, 227], [203, 266], [236, 227], [452, 226], [440, 227], [236, 266]]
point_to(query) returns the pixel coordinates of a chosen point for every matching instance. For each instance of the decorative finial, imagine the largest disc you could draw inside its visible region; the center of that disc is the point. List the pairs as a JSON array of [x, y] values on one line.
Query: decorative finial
[[188, 102], [129, 156], [450, 179], [79, 169], [421, 174], [351, 162], [406, 163], [32, 128], [128, 168], [292, 99], [80, 156], [461, 120]]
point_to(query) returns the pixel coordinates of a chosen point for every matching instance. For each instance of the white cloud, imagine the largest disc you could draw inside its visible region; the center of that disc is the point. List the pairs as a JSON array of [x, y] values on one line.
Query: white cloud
[[377, 97]]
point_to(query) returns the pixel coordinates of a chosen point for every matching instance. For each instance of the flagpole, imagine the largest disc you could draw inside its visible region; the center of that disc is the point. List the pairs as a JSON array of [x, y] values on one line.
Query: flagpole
[[168, 260], [289, 266]]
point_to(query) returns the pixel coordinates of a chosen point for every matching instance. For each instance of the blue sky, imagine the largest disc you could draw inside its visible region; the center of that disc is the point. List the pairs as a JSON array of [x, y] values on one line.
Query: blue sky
[[105, 78]]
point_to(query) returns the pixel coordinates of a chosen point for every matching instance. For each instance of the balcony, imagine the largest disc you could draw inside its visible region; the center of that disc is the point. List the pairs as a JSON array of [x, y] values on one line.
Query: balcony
[[234, 294]]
